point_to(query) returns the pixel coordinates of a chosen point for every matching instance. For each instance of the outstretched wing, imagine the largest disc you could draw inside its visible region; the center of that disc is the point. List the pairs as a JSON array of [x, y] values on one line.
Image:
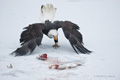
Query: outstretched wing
[[73, 35], [30, 38]]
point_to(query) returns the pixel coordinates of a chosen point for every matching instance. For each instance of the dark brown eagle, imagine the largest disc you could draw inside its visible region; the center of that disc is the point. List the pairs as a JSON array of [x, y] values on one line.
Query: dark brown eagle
[[33, 34]]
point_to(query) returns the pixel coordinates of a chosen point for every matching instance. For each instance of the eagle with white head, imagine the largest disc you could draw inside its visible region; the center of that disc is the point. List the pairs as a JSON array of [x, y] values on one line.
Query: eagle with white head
[[33, 34]]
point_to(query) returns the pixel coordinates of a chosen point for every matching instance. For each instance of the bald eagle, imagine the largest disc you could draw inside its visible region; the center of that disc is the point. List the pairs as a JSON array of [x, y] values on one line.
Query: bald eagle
[[33, 34]]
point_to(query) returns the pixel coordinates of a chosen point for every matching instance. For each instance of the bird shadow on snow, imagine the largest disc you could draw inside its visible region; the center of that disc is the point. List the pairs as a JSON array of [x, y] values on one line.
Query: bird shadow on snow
[[46, 48]]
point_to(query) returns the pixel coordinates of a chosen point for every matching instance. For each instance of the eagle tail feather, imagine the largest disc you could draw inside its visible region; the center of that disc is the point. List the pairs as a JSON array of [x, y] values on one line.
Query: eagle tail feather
[[47, 12]]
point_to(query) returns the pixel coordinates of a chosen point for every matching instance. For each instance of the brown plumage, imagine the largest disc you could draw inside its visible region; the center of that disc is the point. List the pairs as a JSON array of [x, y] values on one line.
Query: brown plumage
[[33, 34]]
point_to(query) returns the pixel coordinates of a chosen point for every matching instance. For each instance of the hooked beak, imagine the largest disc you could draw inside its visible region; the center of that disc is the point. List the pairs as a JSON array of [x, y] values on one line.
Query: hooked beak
[[55, 37]]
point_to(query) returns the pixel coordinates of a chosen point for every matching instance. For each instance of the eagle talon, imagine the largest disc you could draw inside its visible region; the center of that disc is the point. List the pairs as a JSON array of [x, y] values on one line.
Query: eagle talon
[[55, 45]]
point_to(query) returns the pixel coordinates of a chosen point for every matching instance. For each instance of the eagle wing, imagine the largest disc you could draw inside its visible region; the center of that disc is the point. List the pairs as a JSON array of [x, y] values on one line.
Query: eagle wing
[[73, 35], [30, 38]]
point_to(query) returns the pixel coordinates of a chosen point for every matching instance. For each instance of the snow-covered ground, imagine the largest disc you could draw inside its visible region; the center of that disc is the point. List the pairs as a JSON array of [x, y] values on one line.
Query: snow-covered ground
[[99, 22]]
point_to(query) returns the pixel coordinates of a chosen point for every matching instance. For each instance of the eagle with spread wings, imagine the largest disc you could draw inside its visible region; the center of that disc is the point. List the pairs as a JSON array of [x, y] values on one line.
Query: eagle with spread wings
[[33, 34]]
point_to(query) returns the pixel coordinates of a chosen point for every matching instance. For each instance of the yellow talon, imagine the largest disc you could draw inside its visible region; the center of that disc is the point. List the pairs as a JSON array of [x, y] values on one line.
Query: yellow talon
[[56, 45]]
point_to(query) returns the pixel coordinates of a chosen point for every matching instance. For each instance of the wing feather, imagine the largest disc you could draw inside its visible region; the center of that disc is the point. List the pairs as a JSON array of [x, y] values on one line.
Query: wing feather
[[30, 38], [74, 36]]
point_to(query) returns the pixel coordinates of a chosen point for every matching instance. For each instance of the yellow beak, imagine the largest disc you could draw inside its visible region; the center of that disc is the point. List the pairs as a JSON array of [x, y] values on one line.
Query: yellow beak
[[56, 37]]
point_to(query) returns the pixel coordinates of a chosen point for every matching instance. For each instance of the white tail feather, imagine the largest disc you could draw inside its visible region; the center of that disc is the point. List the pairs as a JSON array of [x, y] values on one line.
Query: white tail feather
[[47, 12]]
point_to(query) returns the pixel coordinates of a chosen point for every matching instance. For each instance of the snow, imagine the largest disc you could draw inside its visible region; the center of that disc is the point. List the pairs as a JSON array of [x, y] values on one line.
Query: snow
[[99, 22]]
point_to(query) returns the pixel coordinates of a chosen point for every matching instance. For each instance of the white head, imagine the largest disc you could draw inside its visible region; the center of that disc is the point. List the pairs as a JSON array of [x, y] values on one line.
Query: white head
[[52, 33]]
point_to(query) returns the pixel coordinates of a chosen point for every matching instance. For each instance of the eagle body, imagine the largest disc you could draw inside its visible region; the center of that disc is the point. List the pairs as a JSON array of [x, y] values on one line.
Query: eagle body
[[33, 34], [49, 29]]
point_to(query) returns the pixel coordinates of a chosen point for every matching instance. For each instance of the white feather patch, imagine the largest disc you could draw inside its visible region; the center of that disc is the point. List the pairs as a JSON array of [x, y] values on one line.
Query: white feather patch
[[47, 13], [52, 33]]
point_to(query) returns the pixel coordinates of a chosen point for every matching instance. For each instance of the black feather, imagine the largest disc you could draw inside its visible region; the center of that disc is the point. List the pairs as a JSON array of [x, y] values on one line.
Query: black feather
[[33, 34], [30, 38], [74, 36]]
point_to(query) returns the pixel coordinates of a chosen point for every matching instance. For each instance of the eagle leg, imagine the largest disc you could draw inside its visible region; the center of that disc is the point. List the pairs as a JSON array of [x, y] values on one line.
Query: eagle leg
[[56, 42], [56, 45]]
